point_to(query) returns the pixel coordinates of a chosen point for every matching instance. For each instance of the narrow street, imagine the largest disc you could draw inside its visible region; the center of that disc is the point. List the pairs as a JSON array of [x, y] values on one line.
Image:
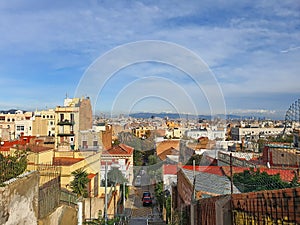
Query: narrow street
[[137, 213]]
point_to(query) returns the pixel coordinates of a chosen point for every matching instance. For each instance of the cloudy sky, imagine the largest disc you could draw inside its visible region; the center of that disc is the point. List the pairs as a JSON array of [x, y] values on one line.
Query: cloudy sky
[[185, 56]]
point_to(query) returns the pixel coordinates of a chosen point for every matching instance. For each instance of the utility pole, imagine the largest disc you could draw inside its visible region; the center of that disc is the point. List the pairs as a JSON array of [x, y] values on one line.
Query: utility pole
[[124, 198], [231, 175], [105, 209], [193, 196]]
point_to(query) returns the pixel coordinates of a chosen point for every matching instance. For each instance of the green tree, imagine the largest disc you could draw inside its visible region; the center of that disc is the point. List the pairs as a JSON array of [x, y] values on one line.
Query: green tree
[[115, 176], [152, 160], [138, 158], [195, 157], [80, 182], [159, 194], [251, 180], [12, 165]]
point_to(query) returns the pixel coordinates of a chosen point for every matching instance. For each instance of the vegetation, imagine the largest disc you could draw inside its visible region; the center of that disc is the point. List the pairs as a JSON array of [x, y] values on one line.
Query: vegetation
[[135, 142], [80, 182], [159, 194], [152, 160], [195, 157], [12, 166], [138, 158], [250, 180], [115, 176]]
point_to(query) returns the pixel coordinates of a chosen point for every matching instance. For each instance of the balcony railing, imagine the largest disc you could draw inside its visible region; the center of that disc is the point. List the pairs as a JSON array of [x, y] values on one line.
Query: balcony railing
[[66, 134], [66, 122]]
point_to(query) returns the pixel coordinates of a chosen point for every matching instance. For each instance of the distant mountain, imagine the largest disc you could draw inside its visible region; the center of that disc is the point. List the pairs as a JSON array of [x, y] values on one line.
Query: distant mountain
[[146, 115]]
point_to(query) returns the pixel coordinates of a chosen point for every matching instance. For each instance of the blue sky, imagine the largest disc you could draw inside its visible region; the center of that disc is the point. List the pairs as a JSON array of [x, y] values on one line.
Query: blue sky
[[251, 49]]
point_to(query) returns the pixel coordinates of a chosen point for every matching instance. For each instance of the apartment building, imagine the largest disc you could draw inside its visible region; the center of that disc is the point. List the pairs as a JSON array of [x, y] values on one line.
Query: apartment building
[[8, 120], [254, 133], [43, 123], [211, 134], [71, 118]]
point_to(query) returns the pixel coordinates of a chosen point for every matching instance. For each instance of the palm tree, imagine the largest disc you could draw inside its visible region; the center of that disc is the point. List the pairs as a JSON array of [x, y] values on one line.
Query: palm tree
[[80, 182]]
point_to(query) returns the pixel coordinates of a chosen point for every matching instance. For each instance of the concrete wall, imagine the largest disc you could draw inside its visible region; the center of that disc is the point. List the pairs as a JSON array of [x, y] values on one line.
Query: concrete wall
[[19, 201], [62, 215]]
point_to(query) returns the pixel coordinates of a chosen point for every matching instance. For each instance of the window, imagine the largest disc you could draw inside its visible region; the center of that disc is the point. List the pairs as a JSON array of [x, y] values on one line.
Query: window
[[61, 117], [20, 128], [72, 117]]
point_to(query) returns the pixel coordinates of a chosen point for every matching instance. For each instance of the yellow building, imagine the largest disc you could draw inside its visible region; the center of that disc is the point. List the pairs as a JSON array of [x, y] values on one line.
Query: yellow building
[[43, 123], [70, 119], [142, 131]]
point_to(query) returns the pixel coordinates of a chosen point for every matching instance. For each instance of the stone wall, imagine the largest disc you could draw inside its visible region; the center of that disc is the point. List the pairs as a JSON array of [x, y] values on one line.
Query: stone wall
[[19, 200]]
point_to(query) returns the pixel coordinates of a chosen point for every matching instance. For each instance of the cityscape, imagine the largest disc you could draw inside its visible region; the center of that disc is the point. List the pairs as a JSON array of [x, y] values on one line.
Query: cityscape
[[149, 112]]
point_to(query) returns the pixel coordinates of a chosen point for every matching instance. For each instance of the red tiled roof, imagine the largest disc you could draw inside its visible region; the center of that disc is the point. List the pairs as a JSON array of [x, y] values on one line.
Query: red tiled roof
[[169, 151], [170, 169], [65, 161], [164, 145], [217, 170], [21, 143], [35, 148], [120, 149], [286, 175]]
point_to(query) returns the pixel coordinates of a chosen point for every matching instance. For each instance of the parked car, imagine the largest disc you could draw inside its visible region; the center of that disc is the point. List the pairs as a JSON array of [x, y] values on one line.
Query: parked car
[[146, 194], [147, 201]]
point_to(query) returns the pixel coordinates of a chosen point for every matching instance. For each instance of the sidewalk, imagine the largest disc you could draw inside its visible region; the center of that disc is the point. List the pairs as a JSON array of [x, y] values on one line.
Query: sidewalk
[[129, 202]]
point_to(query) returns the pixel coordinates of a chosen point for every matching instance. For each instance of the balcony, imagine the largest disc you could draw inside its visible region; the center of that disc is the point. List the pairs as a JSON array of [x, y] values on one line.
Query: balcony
[[66, 122], [71, 133]]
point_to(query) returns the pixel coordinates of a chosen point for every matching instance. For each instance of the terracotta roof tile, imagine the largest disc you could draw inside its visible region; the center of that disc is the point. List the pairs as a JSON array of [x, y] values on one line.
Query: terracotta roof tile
[[285, 174], [164, 145], [120, 149], [170, 169], [65, 161], [217, 170]]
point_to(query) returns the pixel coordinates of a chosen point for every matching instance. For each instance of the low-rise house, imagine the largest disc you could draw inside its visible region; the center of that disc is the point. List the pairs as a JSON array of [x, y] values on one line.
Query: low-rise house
[[204, 184], [120, 156]]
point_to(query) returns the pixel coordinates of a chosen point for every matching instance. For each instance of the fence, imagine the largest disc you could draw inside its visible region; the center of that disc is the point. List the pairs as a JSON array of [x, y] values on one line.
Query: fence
[[267, 207], [48, 172], [49, 197], [275, 207], [68, 198]]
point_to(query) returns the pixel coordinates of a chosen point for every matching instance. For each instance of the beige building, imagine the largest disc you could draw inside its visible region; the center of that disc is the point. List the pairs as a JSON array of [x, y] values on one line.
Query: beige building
[[71, 118], [43, 123], [8, 128]]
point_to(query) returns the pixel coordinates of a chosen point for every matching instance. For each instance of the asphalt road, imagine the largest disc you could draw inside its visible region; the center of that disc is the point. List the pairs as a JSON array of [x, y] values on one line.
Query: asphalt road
[[138, 213]]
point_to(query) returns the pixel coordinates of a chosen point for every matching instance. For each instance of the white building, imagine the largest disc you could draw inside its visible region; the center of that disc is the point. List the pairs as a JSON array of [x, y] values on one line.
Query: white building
[[254, 133], [211, 134]]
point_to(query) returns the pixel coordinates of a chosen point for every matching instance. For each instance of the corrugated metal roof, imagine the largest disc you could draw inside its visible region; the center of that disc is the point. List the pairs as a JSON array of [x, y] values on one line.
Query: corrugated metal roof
[[210, 183]]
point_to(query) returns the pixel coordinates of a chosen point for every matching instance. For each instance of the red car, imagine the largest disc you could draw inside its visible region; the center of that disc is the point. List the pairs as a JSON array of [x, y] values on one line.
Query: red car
[[147, 201]]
